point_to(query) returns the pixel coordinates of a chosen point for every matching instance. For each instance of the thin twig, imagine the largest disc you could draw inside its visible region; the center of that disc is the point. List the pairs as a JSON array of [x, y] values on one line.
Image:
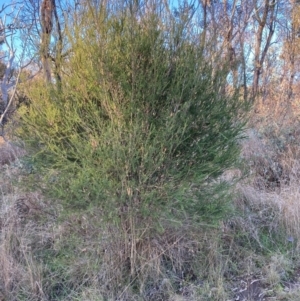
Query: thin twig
[[10, 100]]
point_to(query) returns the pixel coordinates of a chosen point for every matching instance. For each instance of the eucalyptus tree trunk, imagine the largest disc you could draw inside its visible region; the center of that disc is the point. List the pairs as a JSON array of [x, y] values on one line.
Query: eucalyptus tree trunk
[[46, 19]]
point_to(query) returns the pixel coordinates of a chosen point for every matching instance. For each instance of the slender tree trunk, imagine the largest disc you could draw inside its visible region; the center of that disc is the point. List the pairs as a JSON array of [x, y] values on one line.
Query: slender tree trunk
[[203, 34], [47, 8], [259, 53], [58, 48], [244, 69]]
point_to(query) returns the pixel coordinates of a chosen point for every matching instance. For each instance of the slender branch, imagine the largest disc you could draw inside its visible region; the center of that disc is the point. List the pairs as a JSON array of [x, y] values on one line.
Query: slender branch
[[5, 81], [10, 101], [4, 7]]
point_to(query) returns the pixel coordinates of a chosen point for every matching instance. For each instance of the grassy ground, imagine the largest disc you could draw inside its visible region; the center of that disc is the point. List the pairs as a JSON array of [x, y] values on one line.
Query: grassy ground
[[46, 254]]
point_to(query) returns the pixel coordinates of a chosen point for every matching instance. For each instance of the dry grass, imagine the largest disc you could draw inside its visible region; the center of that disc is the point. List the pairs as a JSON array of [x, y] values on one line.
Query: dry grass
[[9, 152], [268, 202], [272, 151], [21, 233]]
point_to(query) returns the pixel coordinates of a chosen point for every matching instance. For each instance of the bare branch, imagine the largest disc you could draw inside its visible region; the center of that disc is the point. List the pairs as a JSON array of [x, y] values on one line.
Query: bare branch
[[10, 101]]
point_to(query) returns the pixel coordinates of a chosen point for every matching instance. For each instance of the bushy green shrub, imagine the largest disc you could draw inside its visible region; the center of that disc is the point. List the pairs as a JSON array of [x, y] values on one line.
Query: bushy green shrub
[[141, 122], [141, 127]]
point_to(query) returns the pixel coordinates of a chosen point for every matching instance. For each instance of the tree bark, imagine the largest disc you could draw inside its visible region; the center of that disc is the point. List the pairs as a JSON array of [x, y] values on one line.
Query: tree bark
[[47, 9], [269, 13]]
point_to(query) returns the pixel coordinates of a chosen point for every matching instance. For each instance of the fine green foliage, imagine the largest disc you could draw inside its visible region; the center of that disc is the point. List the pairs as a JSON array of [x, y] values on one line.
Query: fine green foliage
[[139, 119], [141, 126]]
